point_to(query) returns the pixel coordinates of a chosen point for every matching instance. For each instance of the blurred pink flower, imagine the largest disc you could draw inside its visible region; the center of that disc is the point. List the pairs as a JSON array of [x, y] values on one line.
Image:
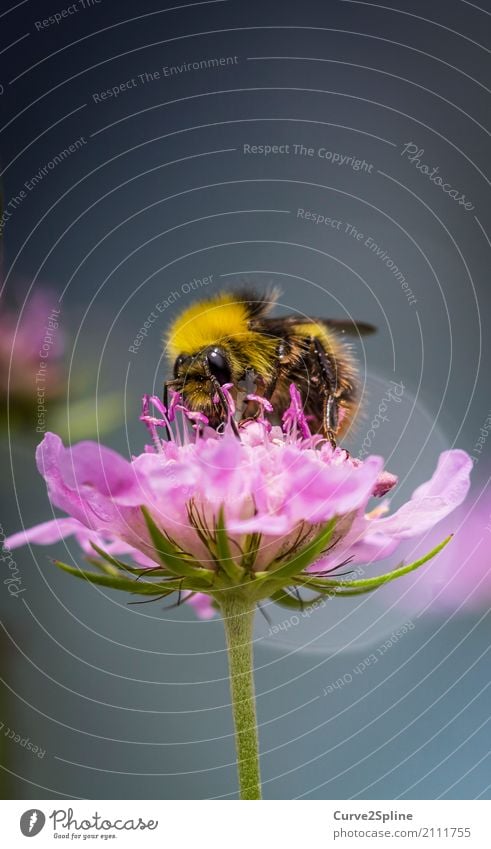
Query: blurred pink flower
[[31, 341], [460, 579], [276, 487]]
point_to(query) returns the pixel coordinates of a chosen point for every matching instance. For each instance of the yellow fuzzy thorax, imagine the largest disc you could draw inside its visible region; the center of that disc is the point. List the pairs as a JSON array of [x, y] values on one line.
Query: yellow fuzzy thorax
[[209, 322]]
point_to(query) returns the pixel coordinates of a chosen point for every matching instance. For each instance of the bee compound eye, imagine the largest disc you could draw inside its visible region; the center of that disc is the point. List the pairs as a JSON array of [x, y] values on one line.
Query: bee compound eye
[[219, 366]]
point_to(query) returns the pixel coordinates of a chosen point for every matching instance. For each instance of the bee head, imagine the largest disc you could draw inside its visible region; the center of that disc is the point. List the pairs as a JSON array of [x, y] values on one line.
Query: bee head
[[196, 377], [204, 366]]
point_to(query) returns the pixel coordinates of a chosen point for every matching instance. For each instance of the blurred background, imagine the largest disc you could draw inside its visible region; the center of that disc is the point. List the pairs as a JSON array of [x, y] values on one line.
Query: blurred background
[[135, 181]]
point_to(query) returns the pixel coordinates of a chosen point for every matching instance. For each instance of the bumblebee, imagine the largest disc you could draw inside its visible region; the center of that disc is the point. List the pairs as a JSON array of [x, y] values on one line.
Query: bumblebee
[[231, 339]]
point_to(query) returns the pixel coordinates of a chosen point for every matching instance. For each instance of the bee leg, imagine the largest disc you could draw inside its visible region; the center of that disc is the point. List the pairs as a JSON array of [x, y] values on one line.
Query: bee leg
[[249, 382], [278, 369], [250, 409], [165, 399], [267, 394], [330, 418], [218, 389], [269, 389], [330, 407]]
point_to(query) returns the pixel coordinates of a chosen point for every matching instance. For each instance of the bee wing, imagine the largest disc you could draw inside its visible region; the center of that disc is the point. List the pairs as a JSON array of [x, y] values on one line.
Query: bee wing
[[350, 328], [339, 325]]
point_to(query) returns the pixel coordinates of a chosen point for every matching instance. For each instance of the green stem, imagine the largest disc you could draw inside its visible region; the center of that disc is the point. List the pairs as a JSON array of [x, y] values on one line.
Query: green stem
[[238, 618]]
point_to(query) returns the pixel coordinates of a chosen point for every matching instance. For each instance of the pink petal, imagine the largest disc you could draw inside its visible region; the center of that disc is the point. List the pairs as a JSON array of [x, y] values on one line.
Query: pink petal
[[433, 500], [88, 481], [49, 455], [223, 471], [46, 533], [203, 605], [89, 464], [266, 524], [327, 491]]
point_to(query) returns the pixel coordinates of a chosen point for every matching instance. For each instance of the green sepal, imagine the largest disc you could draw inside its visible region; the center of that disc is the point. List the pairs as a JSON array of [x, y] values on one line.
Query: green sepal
[[307, 555], [223, 552], [285, 599], [133, 572], [170, 556], [281, 575], [103, 566], [120, 566], [119, 583], [364, 585], [113, 561], [251, 549]]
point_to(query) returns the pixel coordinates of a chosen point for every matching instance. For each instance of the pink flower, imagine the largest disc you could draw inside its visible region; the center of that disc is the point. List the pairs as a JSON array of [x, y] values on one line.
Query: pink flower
[[460, 580], [30, 337], [236, 509]]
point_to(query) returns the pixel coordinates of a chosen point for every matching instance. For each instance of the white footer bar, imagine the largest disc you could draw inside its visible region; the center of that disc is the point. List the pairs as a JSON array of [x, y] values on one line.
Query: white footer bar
[[232, 825]]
